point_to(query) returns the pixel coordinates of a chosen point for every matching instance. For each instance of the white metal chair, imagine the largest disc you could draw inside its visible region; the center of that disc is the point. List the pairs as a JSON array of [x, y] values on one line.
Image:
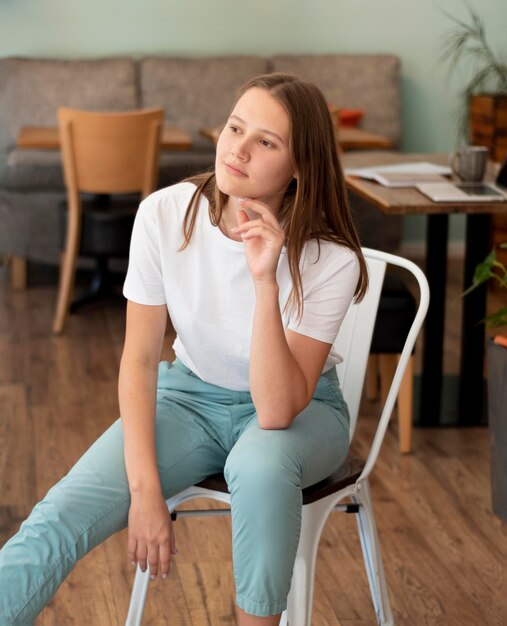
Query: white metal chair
[[349, 482]]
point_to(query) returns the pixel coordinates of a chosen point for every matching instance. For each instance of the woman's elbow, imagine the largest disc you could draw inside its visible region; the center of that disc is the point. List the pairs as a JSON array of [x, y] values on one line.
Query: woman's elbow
[[276, 419], [268, 423]]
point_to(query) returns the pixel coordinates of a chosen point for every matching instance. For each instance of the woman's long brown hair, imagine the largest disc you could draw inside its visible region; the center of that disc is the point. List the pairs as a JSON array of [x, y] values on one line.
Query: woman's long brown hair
[[315, 205]]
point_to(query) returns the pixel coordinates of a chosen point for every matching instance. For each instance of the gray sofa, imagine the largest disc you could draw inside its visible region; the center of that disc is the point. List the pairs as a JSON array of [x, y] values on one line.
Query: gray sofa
[[194, 92]]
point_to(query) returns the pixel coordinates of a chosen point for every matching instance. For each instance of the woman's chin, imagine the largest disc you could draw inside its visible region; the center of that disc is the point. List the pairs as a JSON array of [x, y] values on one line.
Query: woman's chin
[[231, 188]]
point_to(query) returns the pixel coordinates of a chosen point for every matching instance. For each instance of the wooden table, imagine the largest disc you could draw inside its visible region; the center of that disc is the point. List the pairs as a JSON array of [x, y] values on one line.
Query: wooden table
[[409, 201], [47, 138], [348, 138]]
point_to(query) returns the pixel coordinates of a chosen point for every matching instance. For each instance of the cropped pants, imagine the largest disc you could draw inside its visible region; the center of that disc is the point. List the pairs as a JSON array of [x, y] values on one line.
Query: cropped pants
[[201, 429]]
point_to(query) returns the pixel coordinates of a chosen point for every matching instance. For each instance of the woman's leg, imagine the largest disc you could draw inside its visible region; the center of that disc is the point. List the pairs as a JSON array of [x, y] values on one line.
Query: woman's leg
[[265, 471], [92, 502], [246, 619]]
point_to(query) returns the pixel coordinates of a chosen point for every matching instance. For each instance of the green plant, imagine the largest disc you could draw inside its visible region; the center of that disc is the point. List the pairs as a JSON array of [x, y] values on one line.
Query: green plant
[[468, 41], [491, 269]]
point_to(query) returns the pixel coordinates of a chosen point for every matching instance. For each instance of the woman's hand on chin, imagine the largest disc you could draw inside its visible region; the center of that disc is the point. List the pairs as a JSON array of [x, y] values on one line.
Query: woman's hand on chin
[[263, 238]]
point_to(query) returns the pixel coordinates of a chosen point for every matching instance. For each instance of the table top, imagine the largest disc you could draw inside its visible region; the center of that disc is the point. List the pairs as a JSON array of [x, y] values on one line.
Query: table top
[[347, 137], [47, 138], [409, 200]]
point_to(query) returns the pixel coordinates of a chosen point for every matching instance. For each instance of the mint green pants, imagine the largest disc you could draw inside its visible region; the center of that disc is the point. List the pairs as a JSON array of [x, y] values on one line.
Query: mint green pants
[[201, 429]]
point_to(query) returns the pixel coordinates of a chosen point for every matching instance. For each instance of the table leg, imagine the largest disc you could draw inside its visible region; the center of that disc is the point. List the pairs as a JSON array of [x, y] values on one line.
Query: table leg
[[433, 351], [471, 384]]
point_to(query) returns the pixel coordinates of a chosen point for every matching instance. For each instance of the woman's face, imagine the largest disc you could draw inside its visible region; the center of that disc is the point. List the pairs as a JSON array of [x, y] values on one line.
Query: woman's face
[[253, 158]]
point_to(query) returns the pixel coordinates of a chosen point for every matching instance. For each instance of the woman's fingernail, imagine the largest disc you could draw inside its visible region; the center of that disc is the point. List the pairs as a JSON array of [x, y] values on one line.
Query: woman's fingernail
[[152, 576], [133, 563], [233, 230], [164, 576]]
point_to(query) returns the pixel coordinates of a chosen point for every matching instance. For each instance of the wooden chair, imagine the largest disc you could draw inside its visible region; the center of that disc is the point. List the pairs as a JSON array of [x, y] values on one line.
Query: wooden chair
[[346, 490], [103, 154]]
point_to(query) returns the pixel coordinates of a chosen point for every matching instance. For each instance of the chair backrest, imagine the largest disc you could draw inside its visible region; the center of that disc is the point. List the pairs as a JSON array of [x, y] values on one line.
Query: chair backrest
[[354, 339], [110, 152]]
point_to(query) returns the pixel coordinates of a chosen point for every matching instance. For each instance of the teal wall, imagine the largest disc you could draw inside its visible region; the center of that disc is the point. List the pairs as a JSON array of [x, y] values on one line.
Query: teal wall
[[411, 29]]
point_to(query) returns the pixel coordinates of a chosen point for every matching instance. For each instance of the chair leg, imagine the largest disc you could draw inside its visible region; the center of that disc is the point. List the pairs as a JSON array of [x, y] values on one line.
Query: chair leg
[[138, 597], [18, 272], [372, 557], [405, 408], [66, 286], [388, 363], [387, 366], [299, 602], [372, 376]]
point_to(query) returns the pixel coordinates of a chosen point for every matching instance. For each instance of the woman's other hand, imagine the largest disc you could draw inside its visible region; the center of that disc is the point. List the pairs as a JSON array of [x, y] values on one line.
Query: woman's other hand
[[151, 542], [263, 238]]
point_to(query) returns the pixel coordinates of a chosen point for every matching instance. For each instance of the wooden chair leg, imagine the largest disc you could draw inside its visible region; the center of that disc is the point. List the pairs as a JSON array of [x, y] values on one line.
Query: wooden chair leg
[[65, 288], [18, 272], [405, 408], [388, 364], [387, 367], [372, 377]]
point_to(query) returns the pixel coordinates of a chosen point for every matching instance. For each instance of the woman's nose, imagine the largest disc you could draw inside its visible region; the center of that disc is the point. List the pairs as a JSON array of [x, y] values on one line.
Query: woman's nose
[[240, 150]]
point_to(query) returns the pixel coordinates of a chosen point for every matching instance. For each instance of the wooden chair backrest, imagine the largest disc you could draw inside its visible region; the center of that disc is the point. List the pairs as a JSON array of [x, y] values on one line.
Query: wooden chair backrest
[[110, 152]]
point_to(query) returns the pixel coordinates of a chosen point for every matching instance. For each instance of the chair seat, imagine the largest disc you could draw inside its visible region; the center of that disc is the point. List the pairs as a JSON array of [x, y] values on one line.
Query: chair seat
[[395, 315], [347, 474], [106, 226]]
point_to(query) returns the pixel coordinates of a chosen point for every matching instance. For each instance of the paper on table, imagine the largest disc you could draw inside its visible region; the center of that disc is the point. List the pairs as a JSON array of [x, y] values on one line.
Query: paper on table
[[419, 167], [411, 179]]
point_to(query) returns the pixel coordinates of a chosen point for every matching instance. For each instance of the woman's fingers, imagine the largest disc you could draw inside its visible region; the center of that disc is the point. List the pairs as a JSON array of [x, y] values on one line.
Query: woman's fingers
[[261, 231], [154, 556], [142, 556], [165, 560], [258, 226], [132, 550], [262, 209], [151, 537]]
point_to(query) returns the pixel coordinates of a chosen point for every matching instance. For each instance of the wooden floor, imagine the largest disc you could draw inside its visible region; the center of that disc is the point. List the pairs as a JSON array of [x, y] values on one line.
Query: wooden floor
[[445, 553]]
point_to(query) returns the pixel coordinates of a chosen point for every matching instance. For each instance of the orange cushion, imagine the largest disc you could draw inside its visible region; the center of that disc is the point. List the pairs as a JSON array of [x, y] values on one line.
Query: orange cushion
[[350, 117], [345, 117]]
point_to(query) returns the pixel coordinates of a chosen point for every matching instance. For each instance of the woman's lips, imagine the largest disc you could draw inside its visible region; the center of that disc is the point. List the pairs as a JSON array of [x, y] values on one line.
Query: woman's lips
[[234, 170]]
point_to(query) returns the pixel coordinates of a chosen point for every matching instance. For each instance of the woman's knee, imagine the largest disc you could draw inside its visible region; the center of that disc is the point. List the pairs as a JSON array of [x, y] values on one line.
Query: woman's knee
[[262, 463]]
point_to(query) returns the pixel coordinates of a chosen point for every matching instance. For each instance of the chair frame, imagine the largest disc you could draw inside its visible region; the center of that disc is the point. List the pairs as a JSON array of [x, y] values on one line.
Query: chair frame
[[109, 153], [354, 339]]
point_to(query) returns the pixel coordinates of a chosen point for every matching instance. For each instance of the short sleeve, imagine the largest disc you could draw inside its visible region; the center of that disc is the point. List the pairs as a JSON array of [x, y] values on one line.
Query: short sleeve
[[328, 289], [144, 281]]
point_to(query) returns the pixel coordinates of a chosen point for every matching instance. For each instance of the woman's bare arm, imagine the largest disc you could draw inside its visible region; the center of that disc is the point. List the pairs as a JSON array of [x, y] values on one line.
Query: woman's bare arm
[[151, 540]]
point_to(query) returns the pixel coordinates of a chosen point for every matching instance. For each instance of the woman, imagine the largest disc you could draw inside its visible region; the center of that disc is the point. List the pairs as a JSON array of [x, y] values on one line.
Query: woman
[[257, 264]]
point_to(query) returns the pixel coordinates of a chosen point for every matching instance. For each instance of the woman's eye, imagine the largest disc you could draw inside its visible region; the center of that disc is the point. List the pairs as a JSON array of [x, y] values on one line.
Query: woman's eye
[[266, 143], [234, 129]]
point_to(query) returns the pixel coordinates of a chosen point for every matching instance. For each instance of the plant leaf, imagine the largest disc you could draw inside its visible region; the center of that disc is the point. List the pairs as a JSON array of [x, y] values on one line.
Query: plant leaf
[[498, 318]]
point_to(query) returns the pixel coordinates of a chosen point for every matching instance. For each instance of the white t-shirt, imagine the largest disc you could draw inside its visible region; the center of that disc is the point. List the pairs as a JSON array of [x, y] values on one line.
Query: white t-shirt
[[209, 291]]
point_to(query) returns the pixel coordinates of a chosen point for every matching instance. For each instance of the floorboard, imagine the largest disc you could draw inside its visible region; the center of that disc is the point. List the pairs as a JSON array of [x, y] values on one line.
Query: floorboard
[[444, 551]]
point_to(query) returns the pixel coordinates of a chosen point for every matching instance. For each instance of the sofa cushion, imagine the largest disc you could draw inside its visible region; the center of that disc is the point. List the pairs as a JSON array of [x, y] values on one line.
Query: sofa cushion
[[31, 90], [30, 224], [195, 93], [33, 170], [357, 81]]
